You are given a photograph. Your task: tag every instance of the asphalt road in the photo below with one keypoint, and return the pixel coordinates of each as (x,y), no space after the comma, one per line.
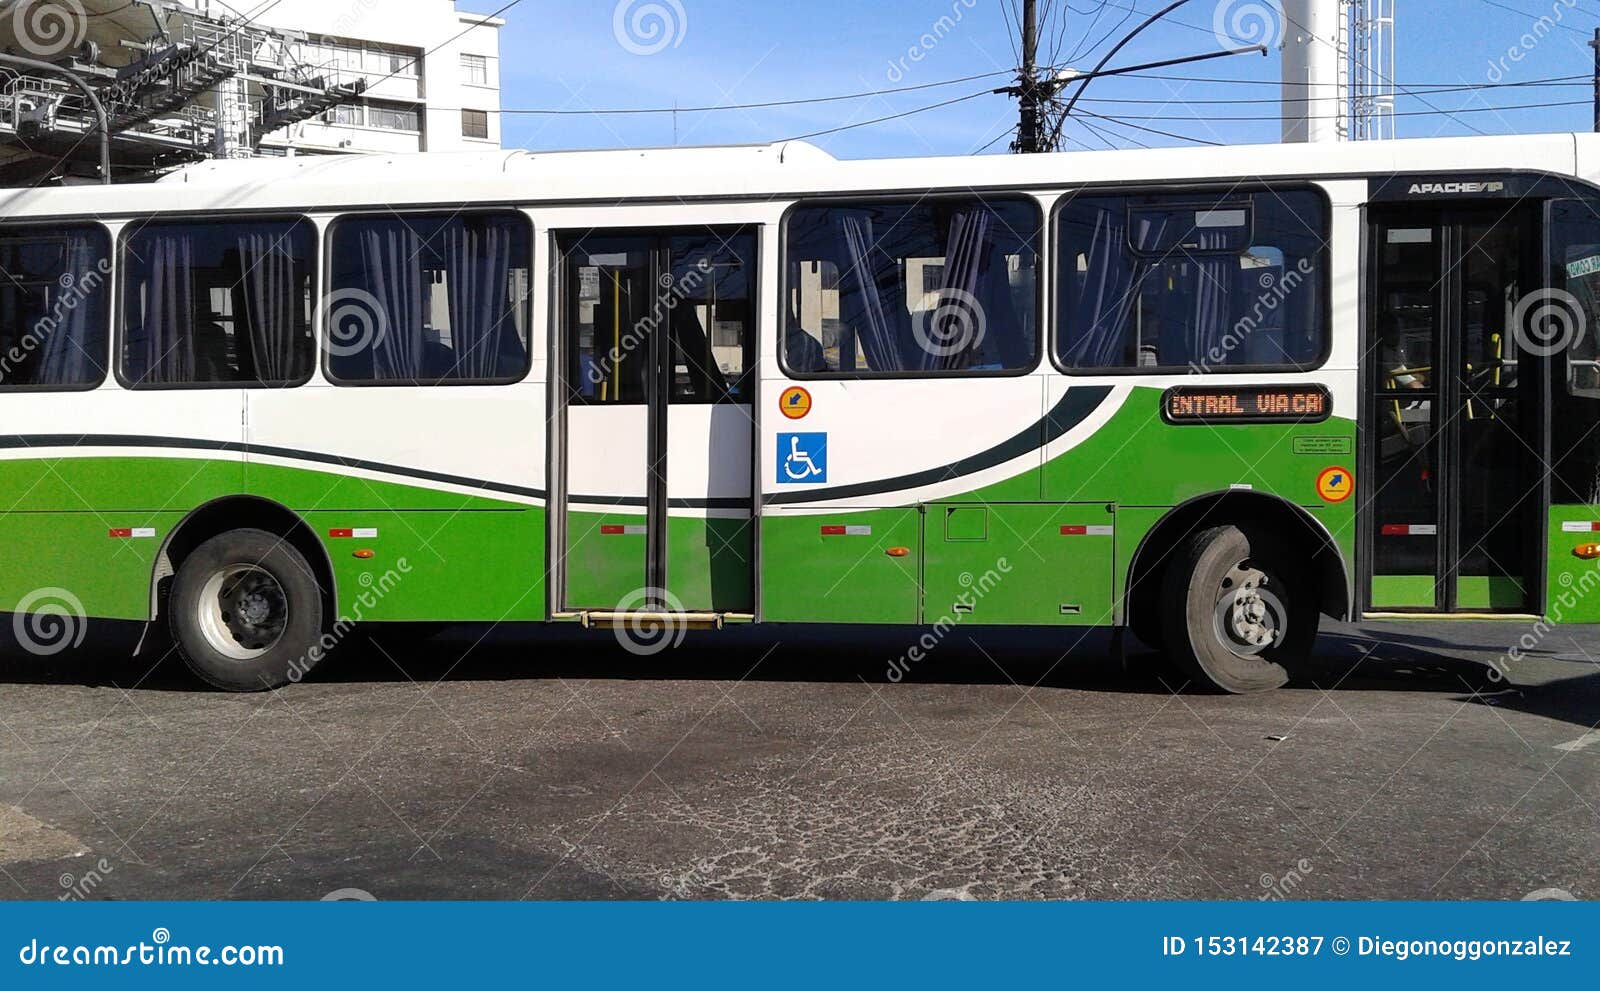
(785,763)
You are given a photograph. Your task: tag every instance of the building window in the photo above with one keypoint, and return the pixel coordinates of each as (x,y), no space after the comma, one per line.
(392,118)
(430,299)
(218,304)
(55,305)
(475,70)
(475,124)
(1192,283)
(941,286)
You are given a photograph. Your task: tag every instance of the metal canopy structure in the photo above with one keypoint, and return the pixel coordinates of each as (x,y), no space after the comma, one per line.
(178,86)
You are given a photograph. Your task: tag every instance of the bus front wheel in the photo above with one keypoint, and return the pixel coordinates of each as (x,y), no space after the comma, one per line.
(246,612)
(1237,613)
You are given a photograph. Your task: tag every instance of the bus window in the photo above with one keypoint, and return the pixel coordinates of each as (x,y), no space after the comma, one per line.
(429,299)
(1187,284)
(931,287)
(54,307)
(1575,420)
(218,303)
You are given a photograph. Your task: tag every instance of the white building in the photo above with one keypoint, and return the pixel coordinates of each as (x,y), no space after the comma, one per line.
(426,91)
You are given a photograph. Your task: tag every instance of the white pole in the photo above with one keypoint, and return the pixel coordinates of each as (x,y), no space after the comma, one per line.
(1312,98)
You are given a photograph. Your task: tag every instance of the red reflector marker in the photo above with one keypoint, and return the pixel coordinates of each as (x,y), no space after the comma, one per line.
(610,530)
(834,531)
(121,531)
(1074,531)
(339,533)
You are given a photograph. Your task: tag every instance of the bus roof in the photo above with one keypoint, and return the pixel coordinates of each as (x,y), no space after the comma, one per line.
(761,172)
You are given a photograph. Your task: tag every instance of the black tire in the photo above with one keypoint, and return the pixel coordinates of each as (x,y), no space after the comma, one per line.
(246,612)
(1239,615)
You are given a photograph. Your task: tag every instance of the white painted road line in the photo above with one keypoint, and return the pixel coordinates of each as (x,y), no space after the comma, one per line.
(1583,742)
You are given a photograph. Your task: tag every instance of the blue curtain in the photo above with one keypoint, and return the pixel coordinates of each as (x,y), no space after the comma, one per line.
(271,300)
(482,318)
(161,344)
(70,354)
(1097,329)
(391,257)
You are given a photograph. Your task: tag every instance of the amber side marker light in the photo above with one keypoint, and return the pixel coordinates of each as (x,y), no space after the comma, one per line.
(1586,551)
(364,555)
(898,552)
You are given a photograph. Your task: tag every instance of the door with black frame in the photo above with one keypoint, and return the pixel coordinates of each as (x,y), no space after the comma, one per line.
(656,339)
(1454,432)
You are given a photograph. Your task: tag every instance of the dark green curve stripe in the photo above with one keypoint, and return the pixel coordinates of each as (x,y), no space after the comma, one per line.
(1075,406)
(16,441)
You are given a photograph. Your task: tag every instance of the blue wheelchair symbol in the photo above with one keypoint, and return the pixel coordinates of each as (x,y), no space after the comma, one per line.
(802,459)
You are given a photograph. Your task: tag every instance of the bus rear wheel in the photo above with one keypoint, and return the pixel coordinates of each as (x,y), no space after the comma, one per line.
(1238,615)
(246,612)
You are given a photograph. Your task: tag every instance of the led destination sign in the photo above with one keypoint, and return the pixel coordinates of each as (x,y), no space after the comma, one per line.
(1247,404)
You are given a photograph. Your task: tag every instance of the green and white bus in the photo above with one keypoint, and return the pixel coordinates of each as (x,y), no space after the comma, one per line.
(1205,395)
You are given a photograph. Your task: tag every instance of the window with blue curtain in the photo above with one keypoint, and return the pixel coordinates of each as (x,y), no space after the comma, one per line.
(55,307)
(1192,283)
(933,287)
(428,299)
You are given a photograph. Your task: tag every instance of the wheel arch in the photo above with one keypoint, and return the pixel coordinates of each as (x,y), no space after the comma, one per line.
(235,512)
(1293,522)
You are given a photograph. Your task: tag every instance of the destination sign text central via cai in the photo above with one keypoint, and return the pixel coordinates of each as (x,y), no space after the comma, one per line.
(1247,404)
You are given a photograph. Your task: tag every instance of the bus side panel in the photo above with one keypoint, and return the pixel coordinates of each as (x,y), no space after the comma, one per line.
(469,566)
(837,567)
(89,527)
(1025,565)
(1572,589)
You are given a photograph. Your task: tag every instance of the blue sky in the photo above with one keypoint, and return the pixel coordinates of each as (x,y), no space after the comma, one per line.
(566,54)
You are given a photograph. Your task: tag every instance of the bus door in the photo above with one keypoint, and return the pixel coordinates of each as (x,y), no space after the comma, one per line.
(1453,431)
(656,353)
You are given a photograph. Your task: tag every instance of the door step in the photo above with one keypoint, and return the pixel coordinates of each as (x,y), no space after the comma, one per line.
(612,619)
(1432,617)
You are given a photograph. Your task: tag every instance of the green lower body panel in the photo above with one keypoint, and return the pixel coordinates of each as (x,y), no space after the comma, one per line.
(72,560)
(1019,564)
(849,566)
(470,566)
(711,563)
(605,561)
(1573,589)
(1403,592)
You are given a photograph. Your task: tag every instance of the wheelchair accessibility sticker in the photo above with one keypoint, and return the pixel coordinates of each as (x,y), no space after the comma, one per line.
(802,459)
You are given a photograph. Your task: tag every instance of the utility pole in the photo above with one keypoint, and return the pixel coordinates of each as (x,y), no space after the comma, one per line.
(1595,44)
(1028,95)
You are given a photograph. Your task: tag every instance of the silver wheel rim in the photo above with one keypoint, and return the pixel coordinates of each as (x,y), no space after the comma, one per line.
(1250,617)
(242,611)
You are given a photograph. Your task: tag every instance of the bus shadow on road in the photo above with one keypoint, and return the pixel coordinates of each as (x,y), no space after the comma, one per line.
(1347,659)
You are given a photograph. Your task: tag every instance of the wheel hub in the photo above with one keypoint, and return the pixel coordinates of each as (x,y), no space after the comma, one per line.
(243,611)
(1250,616)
